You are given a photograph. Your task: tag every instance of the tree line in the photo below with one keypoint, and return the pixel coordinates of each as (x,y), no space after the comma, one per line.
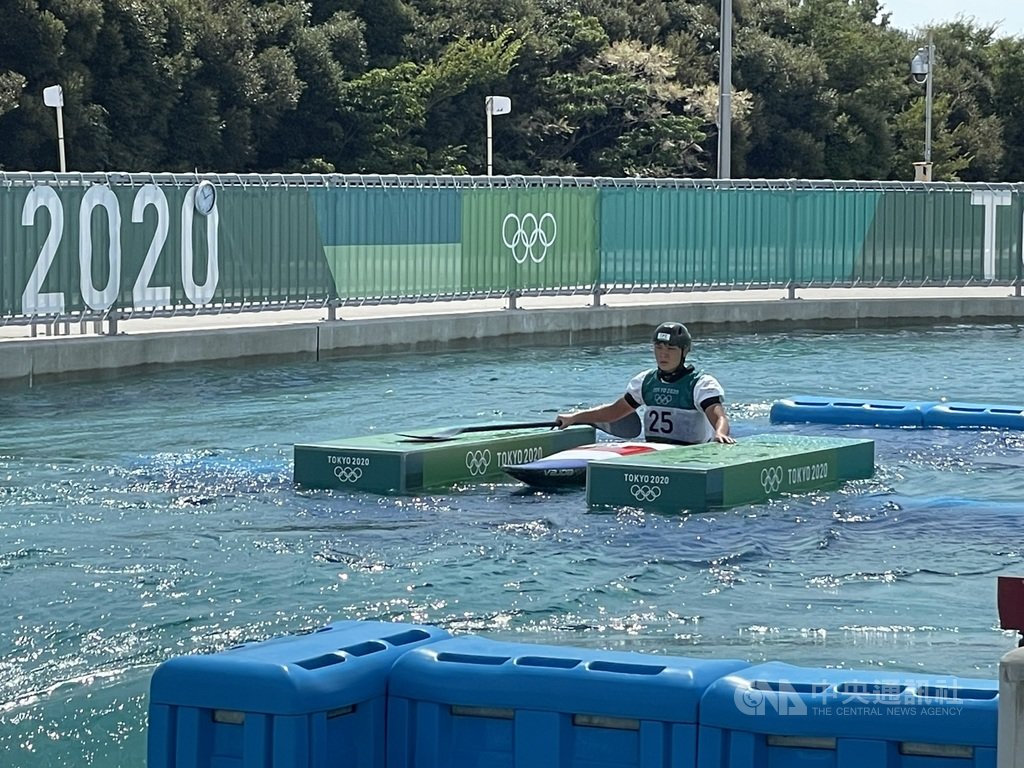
(822,88)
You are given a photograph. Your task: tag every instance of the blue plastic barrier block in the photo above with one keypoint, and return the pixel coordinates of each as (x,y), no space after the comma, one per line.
(304,701)
(776,715)
(853,411)
(954,415)
(470,702)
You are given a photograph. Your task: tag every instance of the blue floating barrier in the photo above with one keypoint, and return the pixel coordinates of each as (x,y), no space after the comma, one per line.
(868,413)
(778,714)
(306,701)
(476,703)
(956,415)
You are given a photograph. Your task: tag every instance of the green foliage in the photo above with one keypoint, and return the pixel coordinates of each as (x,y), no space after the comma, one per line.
(948,164)
(390,107)
(618,115)
(11,86)
(598,87)
(1006,58)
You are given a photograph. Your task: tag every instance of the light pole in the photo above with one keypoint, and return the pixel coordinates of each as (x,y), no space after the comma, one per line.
(53,96)
(922,70)
(725,92)
(494,105)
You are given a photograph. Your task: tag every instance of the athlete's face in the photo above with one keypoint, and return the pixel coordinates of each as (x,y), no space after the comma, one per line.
(668,357)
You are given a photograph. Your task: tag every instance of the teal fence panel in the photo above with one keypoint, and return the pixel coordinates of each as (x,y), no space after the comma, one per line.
(715,234)
(732,236)
(392,242)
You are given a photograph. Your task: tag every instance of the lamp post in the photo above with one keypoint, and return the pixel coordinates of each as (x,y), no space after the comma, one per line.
(725,92)
(494,105)
(921,69)
(53,96)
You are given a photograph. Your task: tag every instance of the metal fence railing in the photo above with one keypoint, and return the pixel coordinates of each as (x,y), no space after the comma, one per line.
(81,247)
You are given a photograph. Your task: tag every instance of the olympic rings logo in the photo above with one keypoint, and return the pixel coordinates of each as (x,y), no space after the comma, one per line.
(526,234)
(348,474)
(645,492)
(663,399)
(477,462)
(771,479)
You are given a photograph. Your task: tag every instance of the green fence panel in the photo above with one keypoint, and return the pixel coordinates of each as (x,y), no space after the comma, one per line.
(1010,241)
(921,237)
(95,247)
(666,237)
(945,235)
(391,242)
(270,245)
(529,239)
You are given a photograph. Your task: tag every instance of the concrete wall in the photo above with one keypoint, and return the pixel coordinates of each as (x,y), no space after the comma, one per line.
(278,339)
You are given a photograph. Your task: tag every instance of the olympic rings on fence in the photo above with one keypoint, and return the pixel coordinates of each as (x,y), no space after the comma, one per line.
(527,233)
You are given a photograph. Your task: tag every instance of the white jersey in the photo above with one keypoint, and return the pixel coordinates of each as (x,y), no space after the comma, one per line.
(672,408)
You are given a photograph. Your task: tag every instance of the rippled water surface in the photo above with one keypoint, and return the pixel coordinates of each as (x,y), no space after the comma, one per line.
(154,515)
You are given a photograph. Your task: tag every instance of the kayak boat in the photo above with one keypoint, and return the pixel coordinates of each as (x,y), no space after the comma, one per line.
(568,468)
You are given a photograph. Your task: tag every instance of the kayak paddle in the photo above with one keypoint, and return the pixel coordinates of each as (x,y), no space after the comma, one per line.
(627,427)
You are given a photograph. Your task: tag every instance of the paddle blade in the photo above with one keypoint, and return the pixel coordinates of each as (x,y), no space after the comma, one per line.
(627,427)
(453,432)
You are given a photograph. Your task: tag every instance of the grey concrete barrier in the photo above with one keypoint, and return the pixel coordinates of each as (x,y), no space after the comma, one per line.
(1010,744)
(377,330)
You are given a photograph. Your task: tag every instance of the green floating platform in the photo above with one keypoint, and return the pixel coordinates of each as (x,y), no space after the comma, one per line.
(393,464)
(713,475)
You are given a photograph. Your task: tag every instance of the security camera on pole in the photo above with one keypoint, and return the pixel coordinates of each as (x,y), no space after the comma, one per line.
(494,105)
(921,69)
(53,96)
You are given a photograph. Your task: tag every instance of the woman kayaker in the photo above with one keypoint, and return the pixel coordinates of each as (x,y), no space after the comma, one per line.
(682,404)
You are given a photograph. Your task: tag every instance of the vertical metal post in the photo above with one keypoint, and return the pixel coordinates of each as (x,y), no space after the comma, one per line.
(1019,247)
(725,92)
(60,139)
(53,96)
(791,289)
(490,137)
(928,102)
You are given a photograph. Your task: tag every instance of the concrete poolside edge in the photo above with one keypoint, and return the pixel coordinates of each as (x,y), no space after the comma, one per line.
(280,339)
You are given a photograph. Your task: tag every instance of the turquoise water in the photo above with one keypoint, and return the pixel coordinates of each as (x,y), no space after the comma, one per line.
(153,515)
